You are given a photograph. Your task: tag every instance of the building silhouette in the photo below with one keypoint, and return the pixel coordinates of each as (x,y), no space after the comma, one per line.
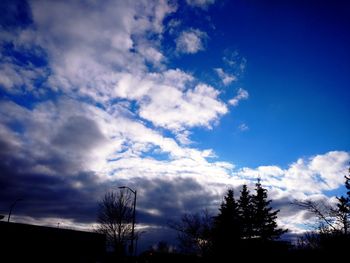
(31,243)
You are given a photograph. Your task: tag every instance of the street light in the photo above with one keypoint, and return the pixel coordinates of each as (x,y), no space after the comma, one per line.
(11,207)
(133,218)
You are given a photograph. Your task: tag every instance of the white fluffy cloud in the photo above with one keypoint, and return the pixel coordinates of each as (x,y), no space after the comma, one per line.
(99,53)
(18,79)
(91,54)
(226,78)
(190,41)
(304,177)
(171,100)
(90,138)
(242,94)
(174,110)
(88,43)
(307,178)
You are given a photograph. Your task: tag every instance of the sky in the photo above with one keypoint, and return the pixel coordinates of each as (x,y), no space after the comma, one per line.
(179,100)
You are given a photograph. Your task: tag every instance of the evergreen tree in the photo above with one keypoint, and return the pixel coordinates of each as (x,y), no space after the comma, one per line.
(264,223)
(347,186)
(342,212)
(246,213)
(227,230)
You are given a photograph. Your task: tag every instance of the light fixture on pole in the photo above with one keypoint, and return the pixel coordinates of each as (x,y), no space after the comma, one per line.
(133,218)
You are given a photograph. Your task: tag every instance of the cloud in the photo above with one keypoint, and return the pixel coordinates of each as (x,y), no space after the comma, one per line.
(85,47)
(151,55)
(67,137)
(183,137)
(243,127)
(9,141)
(200,3)
(62,157)
(63,168)
(57,138)
(67,154)
(174,110)
(78,132)
(305,177)
(173,25)
(190,41)
(226,78)
(171,100)
(21,75)
(242,94)
(107,59)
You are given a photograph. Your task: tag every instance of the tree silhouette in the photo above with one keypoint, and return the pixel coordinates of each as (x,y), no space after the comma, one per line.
(347,183)
(240,227)
(342,213)
(194,232)
(227,225)
(322,211)
(347,203)
(115,218)
(331,219)
(264,221)
(245,207)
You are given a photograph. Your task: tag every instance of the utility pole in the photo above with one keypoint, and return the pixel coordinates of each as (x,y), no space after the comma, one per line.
(132,250)
(11,207)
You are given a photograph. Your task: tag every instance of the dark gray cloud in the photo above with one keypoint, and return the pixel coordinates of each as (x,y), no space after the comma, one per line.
(171,198)
(43,168)
(68,193)
(78,133)
(286,206)
(49,178)
(65,193)
(75,195)
(8,142)
(46,195)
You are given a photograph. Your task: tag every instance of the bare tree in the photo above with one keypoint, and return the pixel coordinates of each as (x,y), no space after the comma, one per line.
(194,232)
(333,221)
(115,219)
(322,211)
(331,218)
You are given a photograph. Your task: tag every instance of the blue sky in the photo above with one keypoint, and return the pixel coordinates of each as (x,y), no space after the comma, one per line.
(297,76)
(197,95)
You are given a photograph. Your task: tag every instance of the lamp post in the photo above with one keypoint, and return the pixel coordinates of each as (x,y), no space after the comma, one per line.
(133,218)
(11,207)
